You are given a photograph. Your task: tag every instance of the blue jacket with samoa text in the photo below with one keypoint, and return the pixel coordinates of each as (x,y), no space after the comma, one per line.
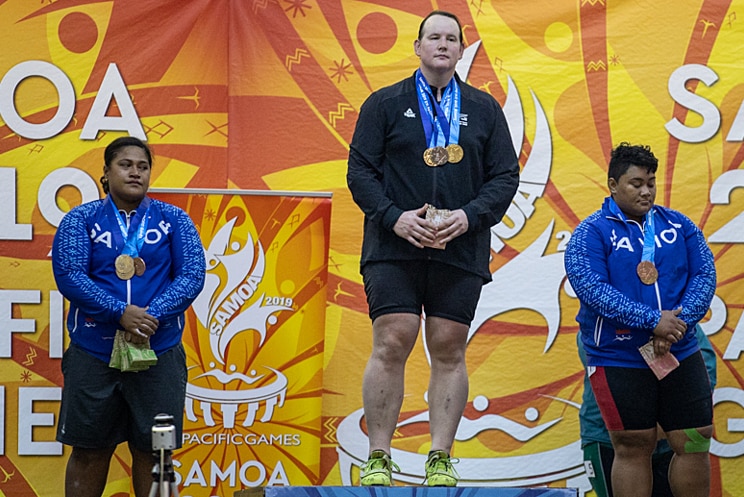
(618,313)
(85,247)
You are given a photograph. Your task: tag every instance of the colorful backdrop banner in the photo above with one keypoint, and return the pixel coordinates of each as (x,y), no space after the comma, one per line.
(264,95)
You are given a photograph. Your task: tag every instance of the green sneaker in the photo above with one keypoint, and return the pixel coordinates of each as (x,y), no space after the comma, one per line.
(439,470)
(378,469)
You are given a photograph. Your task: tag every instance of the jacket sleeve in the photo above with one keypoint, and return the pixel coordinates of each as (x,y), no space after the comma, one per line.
(71,253)
(364,173)
(587,271)
(701,276)
(501,177)
(188,267)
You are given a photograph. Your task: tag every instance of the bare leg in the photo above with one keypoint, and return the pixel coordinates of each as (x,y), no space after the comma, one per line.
(448,385)
(394,336)
(631,471)
(142,464)
(87,471)
(689,472)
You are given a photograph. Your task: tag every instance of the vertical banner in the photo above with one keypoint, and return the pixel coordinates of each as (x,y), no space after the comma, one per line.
(254,341)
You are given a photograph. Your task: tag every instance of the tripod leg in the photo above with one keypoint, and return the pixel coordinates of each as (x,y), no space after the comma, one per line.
(163,489)
(154,489)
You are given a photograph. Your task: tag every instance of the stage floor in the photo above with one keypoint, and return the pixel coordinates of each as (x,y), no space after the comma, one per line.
(408,491)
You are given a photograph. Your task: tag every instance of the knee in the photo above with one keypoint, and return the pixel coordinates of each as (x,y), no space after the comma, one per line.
(691,440)
(446,341)
(634,444)
(446,349)
(392,345)
(390,352)
(445,354)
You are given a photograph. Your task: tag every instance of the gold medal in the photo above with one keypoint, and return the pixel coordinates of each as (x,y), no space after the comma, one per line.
(454,153)
(435,156)
(647,272)
(124,265)
(139,266)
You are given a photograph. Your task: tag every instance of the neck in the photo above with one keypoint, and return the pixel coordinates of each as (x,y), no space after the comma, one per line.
(438,80)
(637,219)
(125,205)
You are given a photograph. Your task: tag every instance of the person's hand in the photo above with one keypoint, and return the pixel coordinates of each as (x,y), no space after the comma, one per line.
(453,226)
(137,324)
(661,346)
(413,227)
(670,327)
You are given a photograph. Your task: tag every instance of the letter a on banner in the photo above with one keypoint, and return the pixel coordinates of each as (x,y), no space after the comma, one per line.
(112,87)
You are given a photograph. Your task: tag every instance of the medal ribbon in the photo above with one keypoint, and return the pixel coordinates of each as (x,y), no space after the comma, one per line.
(443,118)
(649,233)
(136,238)
(649,242)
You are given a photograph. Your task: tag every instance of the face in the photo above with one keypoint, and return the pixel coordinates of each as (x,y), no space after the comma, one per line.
(128,177)
(439,47)
(634,192)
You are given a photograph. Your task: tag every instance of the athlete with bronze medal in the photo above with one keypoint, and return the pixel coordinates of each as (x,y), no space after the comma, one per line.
(129,263)
(125,362)
(441,122)
(637,323)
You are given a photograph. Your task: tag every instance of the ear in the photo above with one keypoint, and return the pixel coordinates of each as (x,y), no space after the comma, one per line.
(612,184)
(417,47)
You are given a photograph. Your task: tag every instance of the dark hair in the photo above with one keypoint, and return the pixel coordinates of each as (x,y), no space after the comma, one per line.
(439,13)
(626,155)
(114,147)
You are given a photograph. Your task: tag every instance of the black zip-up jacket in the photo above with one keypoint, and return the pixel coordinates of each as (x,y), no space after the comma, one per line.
(387,175)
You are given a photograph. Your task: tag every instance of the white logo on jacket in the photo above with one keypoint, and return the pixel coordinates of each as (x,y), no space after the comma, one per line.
(666,237)
(152,236)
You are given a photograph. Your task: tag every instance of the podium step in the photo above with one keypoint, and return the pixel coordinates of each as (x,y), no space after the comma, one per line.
(332,491)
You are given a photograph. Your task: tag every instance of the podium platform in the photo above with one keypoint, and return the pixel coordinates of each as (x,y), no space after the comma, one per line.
(331,491)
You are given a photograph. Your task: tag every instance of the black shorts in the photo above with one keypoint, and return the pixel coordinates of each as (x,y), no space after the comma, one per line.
(634,399)
(408,286)
(103,407)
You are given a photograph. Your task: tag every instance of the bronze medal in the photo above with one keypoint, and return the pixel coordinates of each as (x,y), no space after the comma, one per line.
(647,272)
(124,265)
(454,153)
(435,156)
(139,266)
